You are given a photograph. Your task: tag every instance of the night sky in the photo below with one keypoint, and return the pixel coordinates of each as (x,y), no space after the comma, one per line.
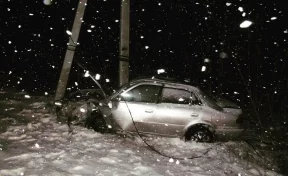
(175,35)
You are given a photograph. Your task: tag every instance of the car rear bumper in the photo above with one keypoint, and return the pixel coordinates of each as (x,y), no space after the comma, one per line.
(229,133)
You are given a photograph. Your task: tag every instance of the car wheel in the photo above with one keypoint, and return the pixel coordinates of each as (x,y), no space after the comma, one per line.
(60,113)
(199,134)
(96,122)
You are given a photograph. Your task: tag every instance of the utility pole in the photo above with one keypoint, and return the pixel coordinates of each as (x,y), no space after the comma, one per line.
(62,83)
(124,42)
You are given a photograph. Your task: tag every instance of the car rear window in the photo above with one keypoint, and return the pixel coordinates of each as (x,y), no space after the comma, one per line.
(175,96)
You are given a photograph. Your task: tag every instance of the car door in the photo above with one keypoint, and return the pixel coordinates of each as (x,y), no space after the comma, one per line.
(137,104)
(176,109)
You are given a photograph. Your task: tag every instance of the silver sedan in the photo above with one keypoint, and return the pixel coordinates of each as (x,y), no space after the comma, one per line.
(160,107)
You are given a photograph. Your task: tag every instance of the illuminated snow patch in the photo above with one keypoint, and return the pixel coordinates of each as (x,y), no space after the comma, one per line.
(27,96)
(58,103)
(18,171)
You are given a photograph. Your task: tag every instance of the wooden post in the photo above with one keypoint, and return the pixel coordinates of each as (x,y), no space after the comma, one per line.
(124,42)
(62,83)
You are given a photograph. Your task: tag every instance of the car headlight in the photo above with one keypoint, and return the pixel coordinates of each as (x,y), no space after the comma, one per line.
(110,104)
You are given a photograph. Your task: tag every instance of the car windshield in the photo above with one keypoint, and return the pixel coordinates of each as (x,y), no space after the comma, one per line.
(210,101)
(120,89)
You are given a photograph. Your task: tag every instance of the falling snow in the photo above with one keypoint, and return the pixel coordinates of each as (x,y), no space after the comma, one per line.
(68,32)
(241,9)
(245,24)
(228,4)
(225,47)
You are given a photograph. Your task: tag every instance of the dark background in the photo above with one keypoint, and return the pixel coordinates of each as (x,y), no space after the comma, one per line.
(191,30)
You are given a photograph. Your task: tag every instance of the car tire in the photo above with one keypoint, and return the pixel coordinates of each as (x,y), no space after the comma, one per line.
(199,134)
(96,122)
(60,113)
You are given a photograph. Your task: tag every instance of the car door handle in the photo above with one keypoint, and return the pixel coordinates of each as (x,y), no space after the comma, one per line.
(149,110)
(194,115)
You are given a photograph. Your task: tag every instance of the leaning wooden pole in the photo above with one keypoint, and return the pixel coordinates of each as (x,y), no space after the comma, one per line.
(124,42)
(64,76)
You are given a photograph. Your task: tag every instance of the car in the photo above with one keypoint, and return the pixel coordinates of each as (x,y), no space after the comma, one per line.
(168,108)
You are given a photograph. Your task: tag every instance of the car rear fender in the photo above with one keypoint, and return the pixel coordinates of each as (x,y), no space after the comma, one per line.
(196,123)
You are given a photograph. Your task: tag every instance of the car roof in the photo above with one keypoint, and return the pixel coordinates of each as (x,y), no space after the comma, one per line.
(170,83)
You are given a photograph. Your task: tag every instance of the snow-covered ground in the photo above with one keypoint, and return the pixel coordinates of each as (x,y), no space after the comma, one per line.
(42,146)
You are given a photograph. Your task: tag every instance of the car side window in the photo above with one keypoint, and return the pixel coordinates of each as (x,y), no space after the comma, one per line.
(142,93)
(175,96)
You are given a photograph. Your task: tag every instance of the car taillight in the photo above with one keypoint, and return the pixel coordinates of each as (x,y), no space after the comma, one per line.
(242,120)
